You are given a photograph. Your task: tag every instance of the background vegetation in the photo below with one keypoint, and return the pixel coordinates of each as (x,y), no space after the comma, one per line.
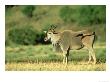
(39,18)
(24,37)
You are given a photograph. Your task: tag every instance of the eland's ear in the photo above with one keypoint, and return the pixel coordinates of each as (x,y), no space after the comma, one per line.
(45,31)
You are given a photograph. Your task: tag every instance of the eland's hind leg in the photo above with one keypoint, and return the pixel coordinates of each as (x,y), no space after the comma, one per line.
(92,54)
(90,57)
(88,42)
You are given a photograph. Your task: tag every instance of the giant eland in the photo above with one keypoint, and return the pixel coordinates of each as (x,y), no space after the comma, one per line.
(69,40)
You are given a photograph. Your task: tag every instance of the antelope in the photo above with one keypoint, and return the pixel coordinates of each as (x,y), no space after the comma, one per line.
(69,40)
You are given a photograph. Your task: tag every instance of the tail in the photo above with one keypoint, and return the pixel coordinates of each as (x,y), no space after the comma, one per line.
(95,38)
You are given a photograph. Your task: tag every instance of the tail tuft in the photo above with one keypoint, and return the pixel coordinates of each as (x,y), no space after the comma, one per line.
(93,33)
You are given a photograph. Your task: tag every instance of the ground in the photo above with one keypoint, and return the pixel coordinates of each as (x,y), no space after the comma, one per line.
(42,58)
(55,66)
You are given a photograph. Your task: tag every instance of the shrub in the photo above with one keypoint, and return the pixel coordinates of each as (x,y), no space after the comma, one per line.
(84,15)
(28,10)
(40,38)
(25,36)
(91,15)
(67,14)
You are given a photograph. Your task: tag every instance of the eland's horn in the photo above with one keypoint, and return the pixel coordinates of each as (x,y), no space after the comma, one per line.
(53,26)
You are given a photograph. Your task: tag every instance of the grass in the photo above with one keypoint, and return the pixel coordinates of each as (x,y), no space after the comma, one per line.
(54,66)
(42,58)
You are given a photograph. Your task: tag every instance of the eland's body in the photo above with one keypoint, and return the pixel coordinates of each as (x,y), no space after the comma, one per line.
(69,40)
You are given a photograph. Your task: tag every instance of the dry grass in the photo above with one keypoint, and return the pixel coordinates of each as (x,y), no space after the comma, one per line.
(53,66)
(42,58)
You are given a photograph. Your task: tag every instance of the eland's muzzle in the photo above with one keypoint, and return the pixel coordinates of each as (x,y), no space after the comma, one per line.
(45,39)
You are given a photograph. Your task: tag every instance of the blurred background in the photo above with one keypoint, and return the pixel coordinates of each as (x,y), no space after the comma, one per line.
(24,26)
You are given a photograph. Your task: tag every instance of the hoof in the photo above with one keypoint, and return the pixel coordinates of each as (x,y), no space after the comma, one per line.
(94,62)
(89,62)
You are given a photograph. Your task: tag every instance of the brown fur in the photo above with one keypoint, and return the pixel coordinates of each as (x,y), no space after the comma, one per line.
(69,40)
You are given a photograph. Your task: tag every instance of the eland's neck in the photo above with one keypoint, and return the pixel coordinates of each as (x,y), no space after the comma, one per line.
(55,38)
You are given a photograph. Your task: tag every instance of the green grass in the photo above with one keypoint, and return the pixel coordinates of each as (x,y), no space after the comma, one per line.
(30,54)
(44,53)
(17,55)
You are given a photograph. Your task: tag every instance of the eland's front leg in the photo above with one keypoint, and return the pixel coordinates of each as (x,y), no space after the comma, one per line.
(65,54)
(65,59)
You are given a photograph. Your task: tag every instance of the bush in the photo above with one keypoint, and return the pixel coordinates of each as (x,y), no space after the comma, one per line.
(40,38)
(28,10)
(67,14)
(25,36)
(84,15)
(91,15)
